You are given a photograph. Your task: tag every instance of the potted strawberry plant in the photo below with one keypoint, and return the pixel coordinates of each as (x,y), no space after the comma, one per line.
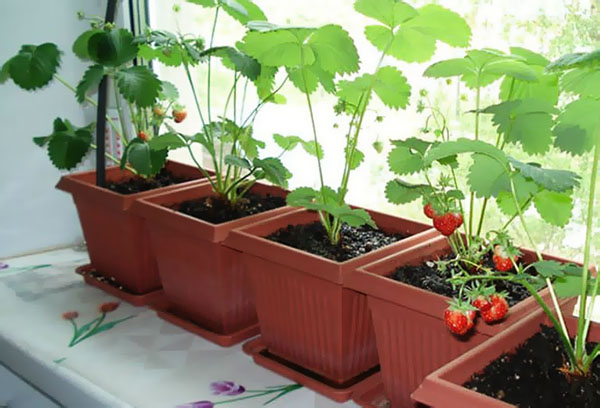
(298,262)
(564,350)
(398,286)
(203,279)
(121,259)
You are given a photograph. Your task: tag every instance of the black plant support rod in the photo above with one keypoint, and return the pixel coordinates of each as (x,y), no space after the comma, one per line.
(101,115)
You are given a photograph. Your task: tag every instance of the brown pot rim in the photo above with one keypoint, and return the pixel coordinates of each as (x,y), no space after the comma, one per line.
(81,183)
(438,382)
(154,209)
(251,240)
(373,280)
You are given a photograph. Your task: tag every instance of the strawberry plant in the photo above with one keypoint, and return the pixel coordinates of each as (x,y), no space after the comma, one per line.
(313,57)
(112,52)
(525,119)
(577,132)
(226,134)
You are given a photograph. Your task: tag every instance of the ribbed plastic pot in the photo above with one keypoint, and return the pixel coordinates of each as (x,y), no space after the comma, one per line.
(443,388)
(116,239)
(412,339)
(306,315)
(203,279)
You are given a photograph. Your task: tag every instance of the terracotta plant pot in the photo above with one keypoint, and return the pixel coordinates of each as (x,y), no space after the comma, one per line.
(117,241)
(412,339)
(443,388)
(203,279)
(306,316)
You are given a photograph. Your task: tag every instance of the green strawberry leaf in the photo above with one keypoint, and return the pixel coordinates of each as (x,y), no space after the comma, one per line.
(400,192)
(392,87)
(265,82)
(67,145)
(420,30)
(113,48)
(168,92)
(555,208)
(288,143)
(576,60)
(240,62)
(487,176)
(545,88)
(389,84)
(139,85)
(90,82)
(250,145)
(4,72)
(80,46)
(525,189)
(204,141)
(303,197)
(142,158)
(334,50)
(389,12)
(528,122)
(357,158)
(451,67)
(274,170)
(549,269)
(237,161)
(403,160)
(352,217)
(577,124)
(448,149)
(167,141)
(553,180)
(243,11)
(303,79)
(203,3)
(583,82)
(490,64)
(34,66)
(280,48)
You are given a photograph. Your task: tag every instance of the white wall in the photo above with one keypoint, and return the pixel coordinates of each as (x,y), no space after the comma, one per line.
(33,215)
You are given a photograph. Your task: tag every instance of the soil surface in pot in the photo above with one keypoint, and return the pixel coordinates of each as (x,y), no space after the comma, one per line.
(427,276)
(355,242)
(530,376)
(217,210)
(138,184)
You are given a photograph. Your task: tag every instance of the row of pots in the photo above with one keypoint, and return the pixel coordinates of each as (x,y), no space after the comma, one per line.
(325,324)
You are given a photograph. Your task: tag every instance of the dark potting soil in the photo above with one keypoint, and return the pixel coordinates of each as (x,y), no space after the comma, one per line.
(530,376)
(354,241)
(218,210)
(427,276)
(138,184)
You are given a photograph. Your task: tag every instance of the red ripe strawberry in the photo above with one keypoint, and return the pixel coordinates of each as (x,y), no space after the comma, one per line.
(482,303)
(429,211)
(179,115)
(142,135)
(458,219)
(497,311)
(458,321)
(446,224)
(502,264)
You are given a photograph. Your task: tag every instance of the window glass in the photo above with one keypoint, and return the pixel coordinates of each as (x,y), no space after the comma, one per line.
(552,27)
